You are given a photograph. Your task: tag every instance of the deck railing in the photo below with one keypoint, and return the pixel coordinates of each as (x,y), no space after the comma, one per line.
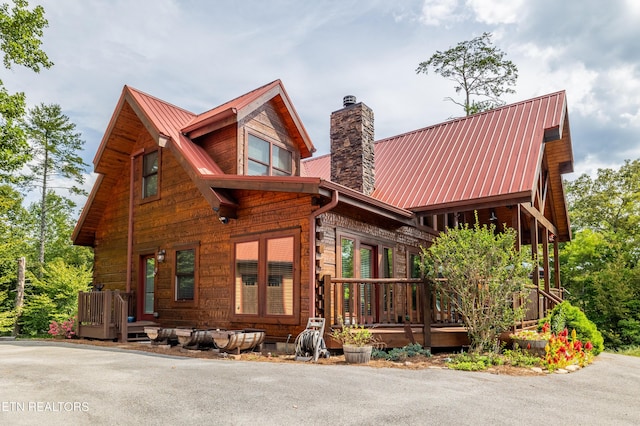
(103,314)
(389,301)
(374,300)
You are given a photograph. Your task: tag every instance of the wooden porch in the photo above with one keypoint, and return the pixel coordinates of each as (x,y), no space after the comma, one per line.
(104,315)
(401,311)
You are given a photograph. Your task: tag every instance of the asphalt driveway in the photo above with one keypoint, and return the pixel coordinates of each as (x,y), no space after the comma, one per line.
(60,384)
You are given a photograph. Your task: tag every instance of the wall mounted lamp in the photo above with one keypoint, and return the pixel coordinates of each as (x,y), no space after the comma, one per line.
(493,216)
(161,256)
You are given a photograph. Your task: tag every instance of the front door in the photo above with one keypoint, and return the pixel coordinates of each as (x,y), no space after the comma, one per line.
(146,289)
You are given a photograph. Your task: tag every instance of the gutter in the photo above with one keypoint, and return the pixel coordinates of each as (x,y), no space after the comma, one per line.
(312,250)
(130,224)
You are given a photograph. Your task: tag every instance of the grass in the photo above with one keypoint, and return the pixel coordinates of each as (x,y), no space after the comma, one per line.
(631,351)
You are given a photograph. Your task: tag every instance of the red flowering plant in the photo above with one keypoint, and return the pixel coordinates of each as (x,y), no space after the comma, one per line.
(65,329)
(563,350)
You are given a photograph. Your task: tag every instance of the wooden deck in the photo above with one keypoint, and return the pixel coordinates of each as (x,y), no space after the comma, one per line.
(103,315)
(389,305)
(399,336)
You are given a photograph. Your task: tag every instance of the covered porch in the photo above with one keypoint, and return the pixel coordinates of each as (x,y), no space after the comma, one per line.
(401,311)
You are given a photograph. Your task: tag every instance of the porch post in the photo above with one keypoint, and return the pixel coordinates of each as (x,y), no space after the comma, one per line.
(106,312)
(517,224)
(326,291)
(545,249)
(556,264)
(534,250)
(426,312)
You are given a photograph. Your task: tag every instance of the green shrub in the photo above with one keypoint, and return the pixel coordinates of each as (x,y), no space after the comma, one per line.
(54,297)
(519,358)
(565,315)
(401,354)
(474,361)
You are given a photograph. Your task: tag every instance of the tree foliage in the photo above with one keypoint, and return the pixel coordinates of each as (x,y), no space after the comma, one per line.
(21,30)
(478,69)
(483,272)
(54,151)
(600,267)
(54,297)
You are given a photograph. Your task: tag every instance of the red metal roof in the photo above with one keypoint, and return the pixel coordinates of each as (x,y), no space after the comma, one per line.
(317,167)
(234,105)
(494,154)
(168,119)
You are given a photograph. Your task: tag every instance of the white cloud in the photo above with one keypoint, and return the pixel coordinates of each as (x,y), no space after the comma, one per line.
(435,12)
(494,12)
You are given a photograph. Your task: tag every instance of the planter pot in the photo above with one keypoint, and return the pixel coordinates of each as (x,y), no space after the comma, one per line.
(357,354)
(534,347)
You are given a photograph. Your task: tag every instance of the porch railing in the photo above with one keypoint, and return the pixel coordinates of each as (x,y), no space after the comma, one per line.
(103,314)
(391,301)
(374,301)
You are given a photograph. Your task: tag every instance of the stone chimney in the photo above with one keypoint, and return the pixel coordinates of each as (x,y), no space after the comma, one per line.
(352,157)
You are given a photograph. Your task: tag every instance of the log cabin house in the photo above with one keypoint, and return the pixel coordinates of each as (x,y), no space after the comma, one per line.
(225,220)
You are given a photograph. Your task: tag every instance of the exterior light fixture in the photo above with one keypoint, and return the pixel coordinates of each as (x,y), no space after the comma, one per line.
(493,216)
(162,140)
(161,256)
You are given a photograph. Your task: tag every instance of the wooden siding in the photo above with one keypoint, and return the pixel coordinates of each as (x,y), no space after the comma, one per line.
(267,123)
(221,145)
(181,217)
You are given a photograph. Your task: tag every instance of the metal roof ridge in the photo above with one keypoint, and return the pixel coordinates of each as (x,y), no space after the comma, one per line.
(133,89)
(473,116)
(201,116)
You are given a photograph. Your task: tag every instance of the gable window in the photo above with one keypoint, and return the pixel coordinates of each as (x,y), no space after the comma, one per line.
(150,170)
(267,159)
(265,275)
(185,277)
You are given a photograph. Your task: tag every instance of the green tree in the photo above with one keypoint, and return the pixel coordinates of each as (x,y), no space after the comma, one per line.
(484,272)
(54,297)
(59,225)
(478,69)
(54,150)
(14,242)
(600,266)
(20,41)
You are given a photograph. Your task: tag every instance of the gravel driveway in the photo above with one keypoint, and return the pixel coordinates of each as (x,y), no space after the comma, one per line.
(54,383)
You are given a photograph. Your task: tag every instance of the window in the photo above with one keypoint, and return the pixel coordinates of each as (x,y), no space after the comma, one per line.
(185,274)
(150,175)
(267,159)
(265,277)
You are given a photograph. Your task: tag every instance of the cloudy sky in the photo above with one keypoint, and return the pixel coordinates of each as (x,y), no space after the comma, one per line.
(199,54)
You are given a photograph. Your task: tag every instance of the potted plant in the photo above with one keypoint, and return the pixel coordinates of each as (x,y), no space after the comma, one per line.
(357,342)
(532,341)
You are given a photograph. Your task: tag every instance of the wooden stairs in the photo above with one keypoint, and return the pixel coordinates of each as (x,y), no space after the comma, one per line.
(135,331)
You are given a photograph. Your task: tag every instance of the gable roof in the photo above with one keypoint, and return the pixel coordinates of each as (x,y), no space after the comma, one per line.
(174,128)
(240,107)
(484,160)
(481,158)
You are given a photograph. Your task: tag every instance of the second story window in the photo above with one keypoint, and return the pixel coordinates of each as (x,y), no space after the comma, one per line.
(267,159)
(150,175)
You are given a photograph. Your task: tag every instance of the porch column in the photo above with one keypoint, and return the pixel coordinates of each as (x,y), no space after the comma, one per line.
(426,312)
(534,249)
(545,265)
(517,225)
(556,264)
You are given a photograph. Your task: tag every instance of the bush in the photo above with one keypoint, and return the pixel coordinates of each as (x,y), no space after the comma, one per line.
(54,297)
(401,354)
(482,272)
(474,361)
(571,317)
